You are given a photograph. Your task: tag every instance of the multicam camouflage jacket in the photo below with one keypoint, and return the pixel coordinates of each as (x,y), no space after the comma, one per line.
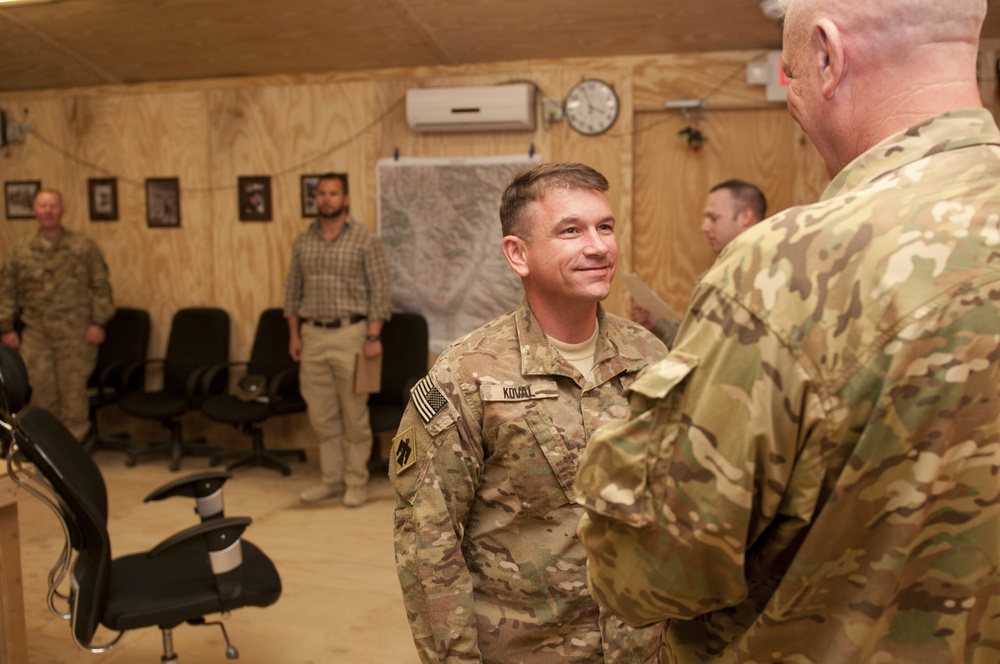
(815,473)
(485,524)
(60,285)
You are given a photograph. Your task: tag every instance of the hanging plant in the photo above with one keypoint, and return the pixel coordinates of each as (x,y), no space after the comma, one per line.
(695,139)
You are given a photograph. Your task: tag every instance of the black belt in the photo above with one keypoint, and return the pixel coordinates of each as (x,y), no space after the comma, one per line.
(339,322)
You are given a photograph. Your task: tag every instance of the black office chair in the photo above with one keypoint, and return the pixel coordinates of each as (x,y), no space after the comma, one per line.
(405,351)
(202,570)
(269,387)
(126,341)
(199,339)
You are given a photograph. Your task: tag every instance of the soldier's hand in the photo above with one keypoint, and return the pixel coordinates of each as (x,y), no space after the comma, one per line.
(12,339)
(94,335)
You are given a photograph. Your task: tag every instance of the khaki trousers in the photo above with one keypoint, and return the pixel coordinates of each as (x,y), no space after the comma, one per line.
(338,416)
(59,367)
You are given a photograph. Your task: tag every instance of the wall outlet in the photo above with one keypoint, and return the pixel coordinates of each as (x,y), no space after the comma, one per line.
(552,110)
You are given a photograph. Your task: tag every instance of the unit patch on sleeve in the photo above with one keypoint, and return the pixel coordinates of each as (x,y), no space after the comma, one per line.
(427,399)
(404,450)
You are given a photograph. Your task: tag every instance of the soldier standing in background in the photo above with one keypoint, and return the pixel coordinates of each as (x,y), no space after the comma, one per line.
(58,281)
(485,524)
(811,475)
(731,207)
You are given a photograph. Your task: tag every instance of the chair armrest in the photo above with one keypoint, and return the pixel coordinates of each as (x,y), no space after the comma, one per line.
(221,541)
(107,374)
(132,367)
(221,537)
(205,488)
(274,388)
(208,374)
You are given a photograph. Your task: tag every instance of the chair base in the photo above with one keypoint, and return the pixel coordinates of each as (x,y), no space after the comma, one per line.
(264,458)
(175,449)
(120,442)
(259,455)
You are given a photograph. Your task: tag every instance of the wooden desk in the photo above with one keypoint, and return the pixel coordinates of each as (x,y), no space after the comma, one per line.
(13,637)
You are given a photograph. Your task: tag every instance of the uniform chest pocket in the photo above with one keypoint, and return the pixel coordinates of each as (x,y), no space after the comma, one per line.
(539,464)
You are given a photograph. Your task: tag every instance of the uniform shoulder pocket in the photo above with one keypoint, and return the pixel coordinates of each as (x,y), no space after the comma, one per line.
(615,475)
(659,378)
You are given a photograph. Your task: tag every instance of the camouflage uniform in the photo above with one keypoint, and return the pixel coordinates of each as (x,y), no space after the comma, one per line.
(485,522)
(815,474)
(61,287)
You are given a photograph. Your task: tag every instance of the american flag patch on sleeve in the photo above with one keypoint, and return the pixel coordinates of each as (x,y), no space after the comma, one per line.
(427,399)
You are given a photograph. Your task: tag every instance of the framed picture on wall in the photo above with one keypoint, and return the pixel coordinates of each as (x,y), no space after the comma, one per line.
(254,198)
(19,197)
(309,195)
(102,197)
(163,202)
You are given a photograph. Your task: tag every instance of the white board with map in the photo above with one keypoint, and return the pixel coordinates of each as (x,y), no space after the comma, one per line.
(440,224)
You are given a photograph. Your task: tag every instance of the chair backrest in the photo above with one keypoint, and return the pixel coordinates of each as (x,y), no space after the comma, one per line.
(13,382)
(82,497)
(13,392)
(405,350)
(199,337)
(126,340)
(269,355)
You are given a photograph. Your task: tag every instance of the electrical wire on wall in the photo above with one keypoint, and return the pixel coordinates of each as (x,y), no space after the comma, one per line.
(694,111)
(66,154)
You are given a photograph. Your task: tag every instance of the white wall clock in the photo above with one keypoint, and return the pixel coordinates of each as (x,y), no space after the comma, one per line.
(591,107)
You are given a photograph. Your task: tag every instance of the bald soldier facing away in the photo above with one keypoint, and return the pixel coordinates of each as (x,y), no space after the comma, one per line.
(814,474)
(485,525)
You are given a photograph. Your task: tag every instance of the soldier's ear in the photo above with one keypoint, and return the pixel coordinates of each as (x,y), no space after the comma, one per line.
(515,250)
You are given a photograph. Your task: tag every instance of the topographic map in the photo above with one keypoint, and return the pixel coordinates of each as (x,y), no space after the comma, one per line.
(440,225)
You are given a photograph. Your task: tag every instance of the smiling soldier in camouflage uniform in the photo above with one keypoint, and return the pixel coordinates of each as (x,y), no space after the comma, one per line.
(813,473)
(59,280)
(485,525)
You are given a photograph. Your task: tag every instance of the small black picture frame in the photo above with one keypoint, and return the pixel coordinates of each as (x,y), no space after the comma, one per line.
(254,197)
(309,195)
(163,202)
(19,197)
(102,199)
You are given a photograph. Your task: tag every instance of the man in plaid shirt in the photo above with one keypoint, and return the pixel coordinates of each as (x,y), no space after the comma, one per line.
(337,297)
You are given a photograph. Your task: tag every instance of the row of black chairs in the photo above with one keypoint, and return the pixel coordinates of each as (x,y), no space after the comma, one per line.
(195,376)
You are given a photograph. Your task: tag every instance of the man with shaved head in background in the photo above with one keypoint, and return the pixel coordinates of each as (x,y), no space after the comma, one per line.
(811,474)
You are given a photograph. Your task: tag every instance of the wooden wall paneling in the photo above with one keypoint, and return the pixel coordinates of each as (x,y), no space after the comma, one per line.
(718,77)
(670,183)
(38,160)
(764,147)
(135,137)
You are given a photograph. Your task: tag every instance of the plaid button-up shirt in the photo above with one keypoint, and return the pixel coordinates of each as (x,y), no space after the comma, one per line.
(347,276)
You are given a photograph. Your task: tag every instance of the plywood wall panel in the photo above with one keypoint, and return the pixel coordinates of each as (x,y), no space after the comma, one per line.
(763,147)
(282,132)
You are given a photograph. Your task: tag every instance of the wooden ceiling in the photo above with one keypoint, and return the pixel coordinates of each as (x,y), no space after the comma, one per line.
(71,43)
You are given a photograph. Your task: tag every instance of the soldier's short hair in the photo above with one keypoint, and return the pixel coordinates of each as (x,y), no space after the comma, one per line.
(531,184)
(748,194)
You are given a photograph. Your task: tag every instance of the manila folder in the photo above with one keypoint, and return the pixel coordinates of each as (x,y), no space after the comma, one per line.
(367,374)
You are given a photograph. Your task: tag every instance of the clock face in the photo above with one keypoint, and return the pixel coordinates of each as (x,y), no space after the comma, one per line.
(591,107)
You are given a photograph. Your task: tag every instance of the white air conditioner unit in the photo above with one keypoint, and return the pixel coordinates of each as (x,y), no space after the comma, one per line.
(487,108)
